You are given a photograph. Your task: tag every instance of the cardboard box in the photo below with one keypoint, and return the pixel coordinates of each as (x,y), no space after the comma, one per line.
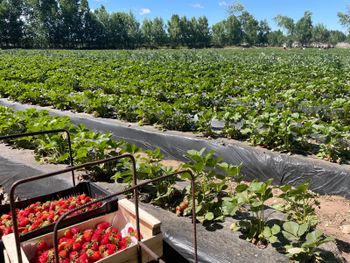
(150,230)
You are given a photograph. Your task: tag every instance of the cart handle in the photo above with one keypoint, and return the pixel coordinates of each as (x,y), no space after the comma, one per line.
(135,189)
(34,178)
(14,136)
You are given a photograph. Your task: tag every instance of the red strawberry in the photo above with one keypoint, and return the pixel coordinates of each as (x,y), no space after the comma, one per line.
(83,258)
(103,225)
(62,254)
(41,246)
(94,246)
(75,230)
(87,234)
(96,238)
(7,230)
(112,247)
(73,255)
(76,247)
(68,233)
(93,255)
(23,222)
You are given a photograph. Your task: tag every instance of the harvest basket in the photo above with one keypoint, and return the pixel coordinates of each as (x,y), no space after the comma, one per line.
(149,227)
(85,187)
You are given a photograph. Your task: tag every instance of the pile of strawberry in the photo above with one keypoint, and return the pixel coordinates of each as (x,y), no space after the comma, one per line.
(85,246)
(39,214)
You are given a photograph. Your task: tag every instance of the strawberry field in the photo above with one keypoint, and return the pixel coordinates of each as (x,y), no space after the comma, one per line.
(291,101)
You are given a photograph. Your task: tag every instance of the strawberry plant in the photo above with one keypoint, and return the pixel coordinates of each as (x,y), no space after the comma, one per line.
(210,185)
(303,246)
(255,228)
(299,203)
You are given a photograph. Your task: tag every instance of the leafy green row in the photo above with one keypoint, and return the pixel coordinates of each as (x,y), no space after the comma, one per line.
(53,148)
(294,101)
(218,195)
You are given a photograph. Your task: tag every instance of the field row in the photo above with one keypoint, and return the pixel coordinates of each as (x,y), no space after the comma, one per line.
(295,101)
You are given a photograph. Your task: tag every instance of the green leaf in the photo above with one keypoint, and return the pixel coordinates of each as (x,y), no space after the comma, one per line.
(275,229)
(295,250)
(209,216)
(302,229)
(234,227)
(290,230)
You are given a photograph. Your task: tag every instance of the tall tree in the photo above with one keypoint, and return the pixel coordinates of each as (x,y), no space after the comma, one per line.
(336,36)
(174,30)
(159,33)
(202,32)
(11,22)
(70,23)
(344,18)
(263,32)
(320,33)
(303,29)
(286,23)
(276,38)
(249,24)
(42,22)
(219,34)
(233,31)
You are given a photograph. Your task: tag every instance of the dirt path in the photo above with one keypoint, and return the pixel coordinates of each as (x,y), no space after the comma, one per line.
(334,216)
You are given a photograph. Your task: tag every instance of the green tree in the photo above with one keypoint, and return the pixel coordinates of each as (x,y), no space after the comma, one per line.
(344,18)
(263,32)
(276,38)
(202,32)
(159,33)
(100,28)
(43,22)
(320,33)
(219,34)
(11,29)
(233,30)
(174,30)
(336,36)
(249,24)
(70,23)
(288,25)
(227,32)
(303,29)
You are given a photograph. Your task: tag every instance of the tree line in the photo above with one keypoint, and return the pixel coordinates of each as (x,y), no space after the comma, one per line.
(72,24)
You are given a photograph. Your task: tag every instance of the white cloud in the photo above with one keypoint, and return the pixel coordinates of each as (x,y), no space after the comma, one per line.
(197,5)
(223,3)
(144,11)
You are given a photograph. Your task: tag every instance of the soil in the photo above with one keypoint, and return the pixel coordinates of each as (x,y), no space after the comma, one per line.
(334,216)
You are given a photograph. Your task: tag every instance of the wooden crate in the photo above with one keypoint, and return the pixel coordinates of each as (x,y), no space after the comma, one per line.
(150,229)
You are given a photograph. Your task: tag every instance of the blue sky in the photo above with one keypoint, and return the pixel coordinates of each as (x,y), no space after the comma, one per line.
(324,11)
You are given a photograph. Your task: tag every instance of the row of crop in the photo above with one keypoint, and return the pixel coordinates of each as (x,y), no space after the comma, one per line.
(220,190)
(288,102)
